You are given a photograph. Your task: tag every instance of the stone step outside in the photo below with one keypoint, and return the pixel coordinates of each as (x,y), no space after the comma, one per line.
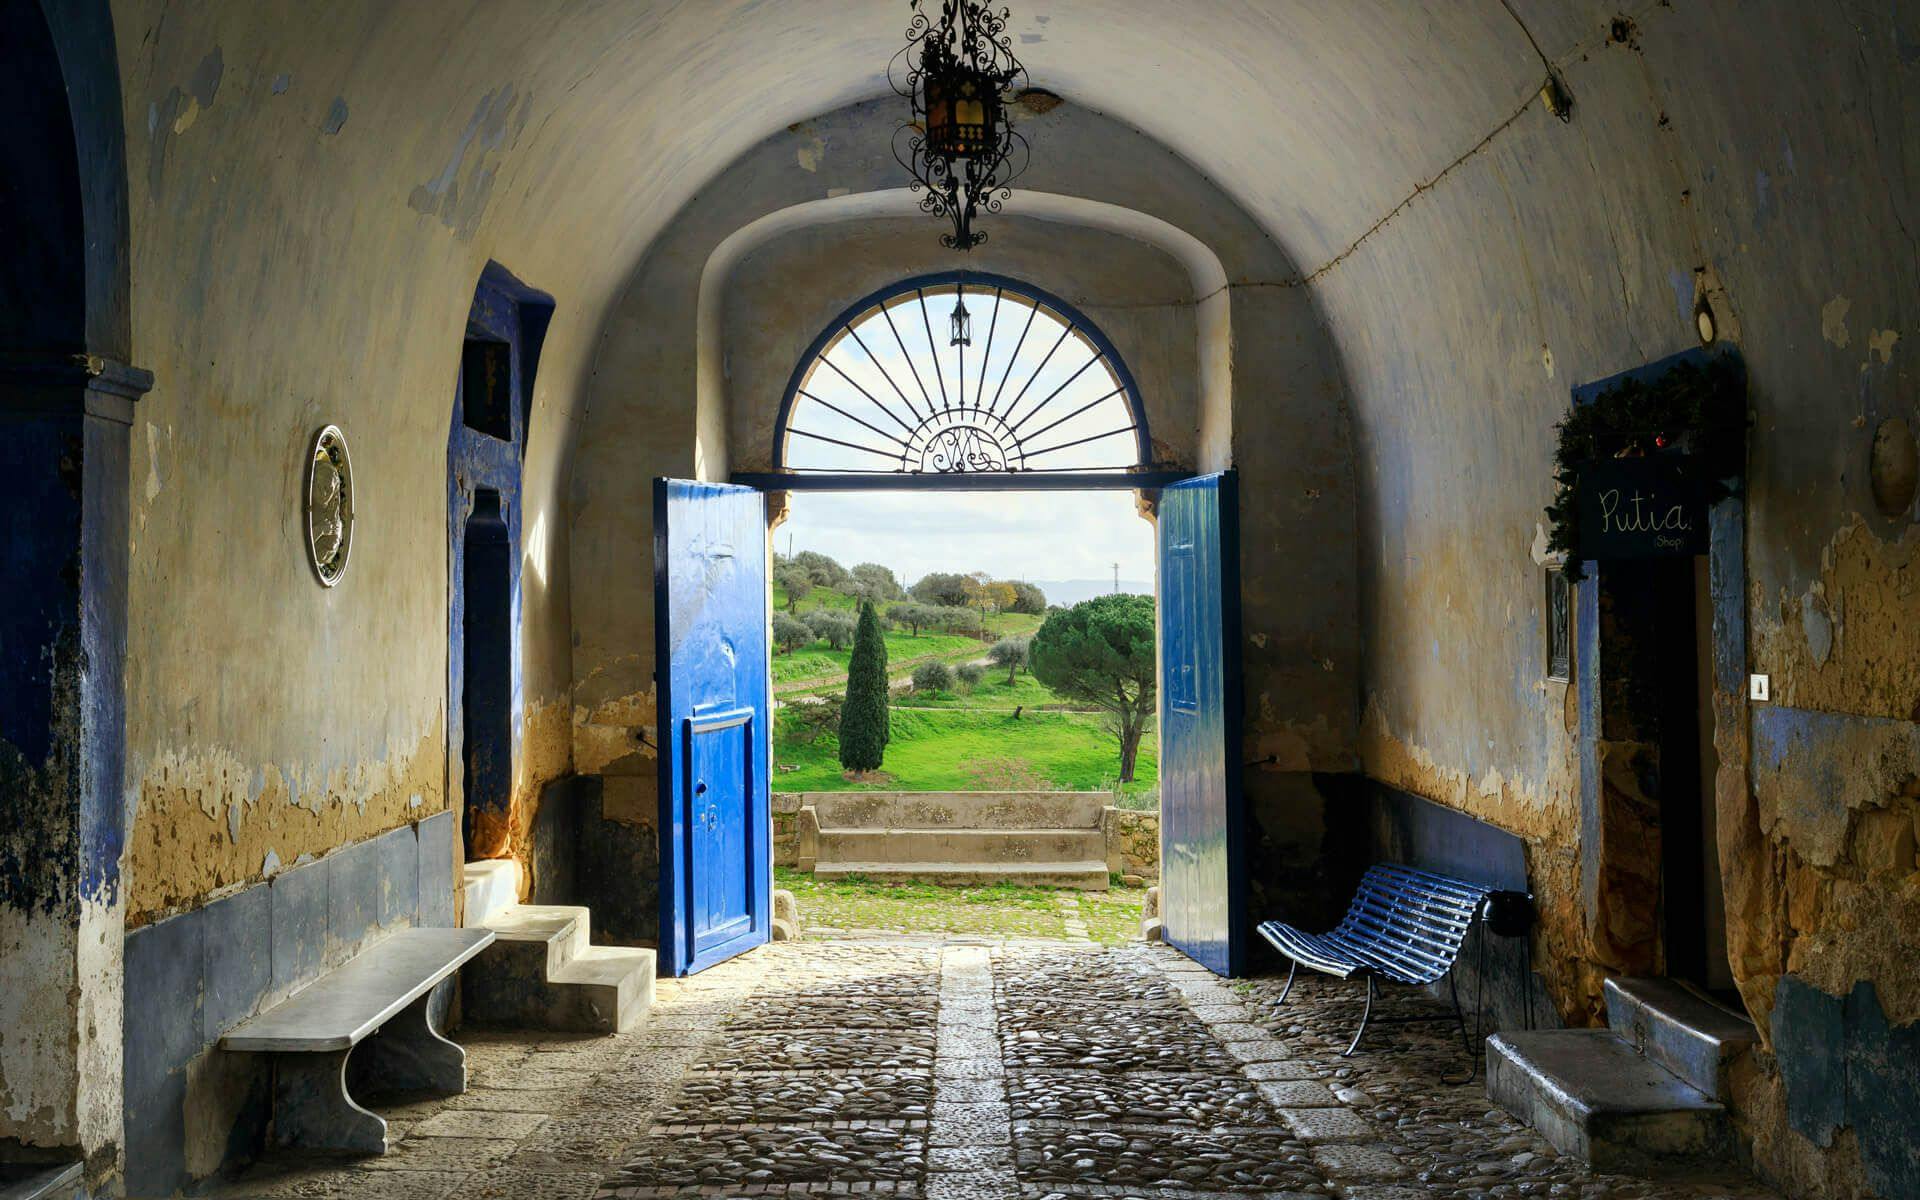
(33,1181)
(1087,876)
(486,886)
(562,930)
(609,983)
(543,972)
(1591,1094)
(957,810)
(985,847)
(1682,1030)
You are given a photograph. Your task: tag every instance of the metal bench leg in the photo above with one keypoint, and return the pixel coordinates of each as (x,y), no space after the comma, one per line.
(1365,1016)
(408,1054)
(1293,968)
(312,1110)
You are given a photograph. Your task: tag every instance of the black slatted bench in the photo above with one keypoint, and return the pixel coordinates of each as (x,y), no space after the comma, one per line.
(1404,925)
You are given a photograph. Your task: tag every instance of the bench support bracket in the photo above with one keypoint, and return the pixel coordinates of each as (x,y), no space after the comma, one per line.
(408,1054)
(312,1110)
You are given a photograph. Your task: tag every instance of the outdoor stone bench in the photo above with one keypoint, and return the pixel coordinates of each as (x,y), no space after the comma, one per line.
(388,988)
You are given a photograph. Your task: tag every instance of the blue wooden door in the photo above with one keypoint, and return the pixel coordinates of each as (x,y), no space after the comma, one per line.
(710,622)
(1203,875)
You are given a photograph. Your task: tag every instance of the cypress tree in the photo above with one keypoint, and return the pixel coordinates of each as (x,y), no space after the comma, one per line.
(865,724)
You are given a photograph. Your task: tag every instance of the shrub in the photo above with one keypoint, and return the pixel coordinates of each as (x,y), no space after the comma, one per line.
(932,677)
(970,674)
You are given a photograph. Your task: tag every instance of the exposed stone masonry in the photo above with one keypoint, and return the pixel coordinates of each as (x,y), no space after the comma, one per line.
(1015,1071)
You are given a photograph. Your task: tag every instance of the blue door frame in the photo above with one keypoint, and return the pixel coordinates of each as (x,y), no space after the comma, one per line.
(712,670)
(1203,869)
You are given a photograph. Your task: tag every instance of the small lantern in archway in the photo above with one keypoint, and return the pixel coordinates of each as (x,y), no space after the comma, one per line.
(962,322)
(958,72)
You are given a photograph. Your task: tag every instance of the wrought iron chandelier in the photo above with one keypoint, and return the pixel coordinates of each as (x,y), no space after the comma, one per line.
(959,73)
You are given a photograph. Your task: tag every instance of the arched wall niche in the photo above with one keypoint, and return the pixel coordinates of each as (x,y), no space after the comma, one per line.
(781,296)
(694,356)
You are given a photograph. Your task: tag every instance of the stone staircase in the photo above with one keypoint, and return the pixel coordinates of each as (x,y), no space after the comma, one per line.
(544,971)
(1646,1096)
(1043,839)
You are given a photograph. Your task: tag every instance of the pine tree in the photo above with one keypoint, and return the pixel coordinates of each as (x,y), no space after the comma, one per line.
(865,724)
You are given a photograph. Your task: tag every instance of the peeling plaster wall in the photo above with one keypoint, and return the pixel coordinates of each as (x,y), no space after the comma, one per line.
(1405,232)
(1758,157)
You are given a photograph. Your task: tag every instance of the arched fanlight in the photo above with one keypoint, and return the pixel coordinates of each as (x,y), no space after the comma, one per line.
(958,71)
(1034,388)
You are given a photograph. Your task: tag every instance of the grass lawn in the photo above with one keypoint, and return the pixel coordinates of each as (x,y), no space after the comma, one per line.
(966,750)
(998,911)
(819,661)
(991,692)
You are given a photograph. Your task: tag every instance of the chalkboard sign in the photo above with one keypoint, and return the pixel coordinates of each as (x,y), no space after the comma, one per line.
(1641,508)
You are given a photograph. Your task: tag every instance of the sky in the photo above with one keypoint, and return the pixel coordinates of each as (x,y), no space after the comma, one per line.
(883,395)
(1009,535)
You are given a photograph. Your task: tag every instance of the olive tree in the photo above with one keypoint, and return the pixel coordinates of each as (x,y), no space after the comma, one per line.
(1010,653)
(831,626)
(790,633)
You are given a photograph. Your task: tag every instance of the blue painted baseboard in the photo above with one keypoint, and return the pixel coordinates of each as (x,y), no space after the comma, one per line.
(191,977)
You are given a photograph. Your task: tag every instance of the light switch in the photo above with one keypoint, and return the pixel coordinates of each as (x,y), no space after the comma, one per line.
(1757,687)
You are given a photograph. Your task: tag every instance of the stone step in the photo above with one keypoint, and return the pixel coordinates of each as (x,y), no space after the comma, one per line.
(33,1181)
(1087,876)
(605,982)
(1682,1030)
(560,931)
(543,972)
(486,886)
(956,810)
(1594,1097)
(985,847)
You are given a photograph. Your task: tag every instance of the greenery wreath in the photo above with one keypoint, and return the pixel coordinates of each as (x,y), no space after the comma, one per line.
(1694,411)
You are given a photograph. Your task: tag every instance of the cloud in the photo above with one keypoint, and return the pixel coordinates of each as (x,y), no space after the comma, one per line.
(1011,535)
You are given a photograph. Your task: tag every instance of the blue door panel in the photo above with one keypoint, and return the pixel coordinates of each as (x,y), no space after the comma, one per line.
(710,619)
(1203,884)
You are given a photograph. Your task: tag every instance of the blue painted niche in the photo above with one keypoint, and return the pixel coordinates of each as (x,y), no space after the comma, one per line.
(486,444)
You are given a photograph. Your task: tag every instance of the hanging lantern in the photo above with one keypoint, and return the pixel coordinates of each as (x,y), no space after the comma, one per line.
(958,72)
(962,322)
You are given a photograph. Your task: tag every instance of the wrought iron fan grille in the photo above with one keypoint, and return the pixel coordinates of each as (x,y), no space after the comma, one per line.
(961,374)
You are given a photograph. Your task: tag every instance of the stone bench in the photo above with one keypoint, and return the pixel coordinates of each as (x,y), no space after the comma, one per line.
(386,988)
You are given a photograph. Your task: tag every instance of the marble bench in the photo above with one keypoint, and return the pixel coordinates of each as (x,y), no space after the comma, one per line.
(385,988)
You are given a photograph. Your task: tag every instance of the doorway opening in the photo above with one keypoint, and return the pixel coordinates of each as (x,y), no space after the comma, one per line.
(1656,678)
(925,696)
(486,699)
(1013,796)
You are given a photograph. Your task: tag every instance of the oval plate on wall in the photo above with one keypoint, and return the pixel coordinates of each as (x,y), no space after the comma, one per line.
(329,505)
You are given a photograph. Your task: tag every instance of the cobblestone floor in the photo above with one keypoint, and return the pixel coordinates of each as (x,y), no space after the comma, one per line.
(928,1071)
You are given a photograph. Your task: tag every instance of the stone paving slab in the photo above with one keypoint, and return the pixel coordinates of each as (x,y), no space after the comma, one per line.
(1243,1161)
(784,1154)
(1138,1097)
(801,1096)
(1119,1044)
(785,1071)
(873,1050)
